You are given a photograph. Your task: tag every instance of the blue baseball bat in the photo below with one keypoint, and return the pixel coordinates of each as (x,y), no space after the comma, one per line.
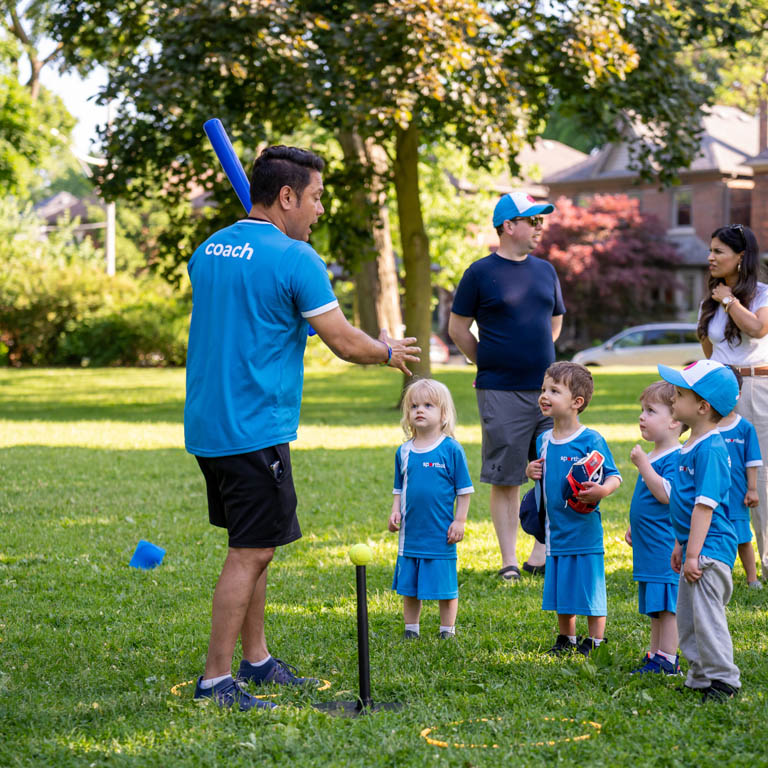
(222,146)
(224,150)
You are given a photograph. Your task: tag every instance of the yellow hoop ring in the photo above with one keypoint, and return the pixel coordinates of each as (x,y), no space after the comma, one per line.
(176,690)
(445,744)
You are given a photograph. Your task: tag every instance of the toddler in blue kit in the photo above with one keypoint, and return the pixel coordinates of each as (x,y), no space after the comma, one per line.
(744,451)
(574,578)
(705,547)
(650,532)
(431,476)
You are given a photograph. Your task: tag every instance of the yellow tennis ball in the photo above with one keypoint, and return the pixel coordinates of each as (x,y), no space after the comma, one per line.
(361,554)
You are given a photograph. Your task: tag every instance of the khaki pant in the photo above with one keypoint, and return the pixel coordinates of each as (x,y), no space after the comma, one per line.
(753,406)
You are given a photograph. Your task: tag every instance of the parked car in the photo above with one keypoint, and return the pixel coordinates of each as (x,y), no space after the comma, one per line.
(667,343)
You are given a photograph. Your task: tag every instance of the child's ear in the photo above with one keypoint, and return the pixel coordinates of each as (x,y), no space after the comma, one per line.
(578,402)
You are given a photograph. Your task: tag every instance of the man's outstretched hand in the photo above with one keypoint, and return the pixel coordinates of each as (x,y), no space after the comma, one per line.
(403,350)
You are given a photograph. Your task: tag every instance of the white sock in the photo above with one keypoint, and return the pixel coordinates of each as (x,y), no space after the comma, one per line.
(451,630)
(670,657)
(412,628)
(571,639)
(205,684)
(259,663)
(596,642)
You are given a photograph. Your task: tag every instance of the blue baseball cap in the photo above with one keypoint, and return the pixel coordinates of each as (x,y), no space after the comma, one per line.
(518,205)
(710,380)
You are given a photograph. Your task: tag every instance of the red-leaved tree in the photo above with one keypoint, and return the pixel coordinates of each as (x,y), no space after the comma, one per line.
(615,265)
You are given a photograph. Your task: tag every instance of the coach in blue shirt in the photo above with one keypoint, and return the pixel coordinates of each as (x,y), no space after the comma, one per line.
(257,285)
(515,299)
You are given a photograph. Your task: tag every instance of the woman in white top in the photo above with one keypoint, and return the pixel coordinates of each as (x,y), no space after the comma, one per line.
(733,328)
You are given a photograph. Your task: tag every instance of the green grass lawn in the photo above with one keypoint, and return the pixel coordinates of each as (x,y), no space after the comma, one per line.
(93,460)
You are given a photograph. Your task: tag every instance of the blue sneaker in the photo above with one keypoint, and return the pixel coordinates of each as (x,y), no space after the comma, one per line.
(228,692)
(274,671)
(657,664)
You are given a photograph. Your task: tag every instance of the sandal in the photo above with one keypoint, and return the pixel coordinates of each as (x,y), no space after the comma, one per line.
(510,573)
(534,570)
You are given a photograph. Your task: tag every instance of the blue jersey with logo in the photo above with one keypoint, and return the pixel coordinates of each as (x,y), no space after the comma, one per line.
(704,477)
(653,538)
(513,303)
(253,289)
(428,481)
(744,451)
(567,531)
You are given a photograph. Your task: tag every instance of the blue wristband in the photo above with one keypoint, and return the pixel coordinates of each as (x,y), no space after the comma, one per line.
(389,355)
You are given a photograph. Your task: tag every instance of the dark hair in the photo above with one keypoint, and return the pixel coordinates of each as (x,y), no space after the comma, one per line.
(661,392)
(739,377)
(576,377)
(740,239)
(281,166)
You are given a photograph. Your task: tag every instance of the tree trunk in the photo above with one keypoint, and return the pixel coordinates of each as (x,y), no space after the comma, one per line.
(418,278)
(377,296)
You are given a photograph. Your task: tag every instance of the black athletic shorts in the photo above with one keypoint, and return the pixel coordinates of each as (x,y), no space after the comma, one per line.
(252,496)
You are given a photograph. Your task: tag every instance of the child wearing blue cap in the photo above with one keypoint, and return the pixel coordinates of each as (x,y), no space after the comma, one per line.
(574,578)
(650,532)
(744,450)
(705,547)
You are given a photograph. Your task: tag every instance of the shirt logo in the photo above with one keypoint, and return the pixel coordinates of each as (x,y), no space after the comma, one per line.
(689,470)
(238,252)
(738,440)
(435,464)
(570,458)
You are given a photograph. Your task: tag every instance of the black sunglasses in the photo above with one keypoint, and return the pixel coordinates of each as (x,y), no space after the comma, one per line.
(534,221)
(740,229)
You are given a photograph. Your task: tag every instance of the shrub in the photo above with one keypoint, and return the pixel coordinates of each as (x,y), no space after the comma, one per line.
(58,306)
(615,265)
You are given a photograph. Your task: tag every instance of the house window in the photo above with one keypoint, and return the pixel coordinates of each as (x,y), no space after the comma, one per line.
(740,206)
(682,215)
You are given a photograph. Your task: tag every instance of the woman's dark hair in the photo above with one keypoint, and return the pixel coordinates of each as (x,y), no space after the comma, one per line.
(281,166)
(740,239)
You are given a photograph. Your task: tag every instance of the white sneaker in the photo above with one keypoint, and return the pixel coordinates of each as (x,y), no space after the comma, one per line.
(757,584)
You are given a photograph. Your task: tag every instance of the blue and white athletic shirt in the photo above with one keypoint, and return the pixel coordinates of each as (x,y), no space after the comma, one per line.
(653,538)
(744,450)
(253,290)
(428,481)
(568,532)
(704,477)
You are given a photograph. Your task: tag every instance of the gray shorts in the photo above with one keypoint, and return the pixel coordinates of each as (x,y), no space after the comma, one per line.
(510,421)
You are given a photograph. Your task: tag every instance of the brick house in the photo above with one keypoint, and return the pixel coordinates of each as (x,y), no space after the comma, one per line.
(727,183)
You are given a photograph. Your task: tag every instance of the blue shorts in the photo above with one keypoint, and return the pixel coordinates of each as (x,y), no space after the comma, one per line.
(652,598)
(426,579)
(575,584)
(743,531)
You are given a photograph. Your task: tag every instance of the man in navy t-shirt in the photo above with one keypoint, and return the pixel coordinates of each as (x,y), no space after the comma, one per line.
(256,286)
(515,299)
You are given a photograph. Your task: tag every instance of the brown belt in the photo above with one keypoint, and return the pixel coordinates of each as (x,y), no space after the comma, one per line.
(760,370)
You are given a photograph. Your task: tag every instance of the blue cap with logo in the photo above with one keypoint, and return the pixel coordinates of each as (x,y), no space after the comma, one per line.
(518,205)
(710,380)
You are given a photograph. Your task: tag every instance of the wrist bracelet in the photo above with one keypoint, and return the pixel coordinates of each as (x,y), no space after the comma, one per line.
(389,354)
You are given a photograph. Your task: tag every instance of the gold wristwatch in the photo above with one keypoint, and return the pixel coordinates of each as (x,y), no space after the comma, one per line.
(727,301)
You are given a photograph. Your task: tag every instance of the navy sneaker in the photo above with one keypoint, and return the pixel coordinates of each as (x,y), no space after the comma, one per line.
(409,634)
(228,692)
(445,635)
(648,665)
(719,691)
(562,646)
(274,671)
(587,645)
